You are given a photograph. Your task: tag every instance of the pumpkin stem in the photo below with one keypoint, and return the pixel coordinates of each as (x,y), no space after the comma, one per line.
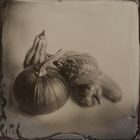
(42,69)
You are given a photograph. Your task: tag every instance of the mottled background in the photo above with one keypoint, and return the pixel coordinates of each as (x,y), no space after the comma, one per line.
(108,30)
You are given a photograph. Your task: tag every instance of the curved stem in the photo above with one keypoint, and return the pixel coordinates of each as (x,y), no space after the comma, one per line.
(49,61)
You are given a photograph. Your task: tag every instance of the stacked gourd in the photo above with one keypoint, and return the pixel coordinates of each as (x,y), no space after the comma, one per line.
(44,85)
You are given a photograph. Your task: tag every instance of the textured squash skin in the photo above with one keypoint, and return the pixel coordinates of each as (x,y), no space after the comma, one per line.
(84,75)
(39,95)
(78,68)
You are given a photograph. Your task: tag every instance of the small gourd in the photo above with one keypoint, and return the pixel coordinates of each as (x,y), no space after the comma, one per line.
(37,53)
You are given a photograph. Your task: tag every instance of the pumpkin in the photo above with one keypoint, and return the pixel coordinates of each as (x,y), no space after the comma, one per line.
(40,90)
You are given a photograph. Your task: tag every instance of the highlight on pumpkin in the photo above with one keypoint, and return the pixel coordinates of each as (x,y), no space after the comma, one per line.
(45,82)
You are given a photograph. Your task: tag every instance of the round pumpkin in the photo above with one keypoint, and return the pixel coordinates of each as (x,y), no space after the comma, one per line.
(39,94)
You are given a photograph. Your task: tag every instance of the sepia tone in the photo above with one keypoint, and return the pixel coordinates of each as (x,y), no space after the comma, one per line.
(106,30)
